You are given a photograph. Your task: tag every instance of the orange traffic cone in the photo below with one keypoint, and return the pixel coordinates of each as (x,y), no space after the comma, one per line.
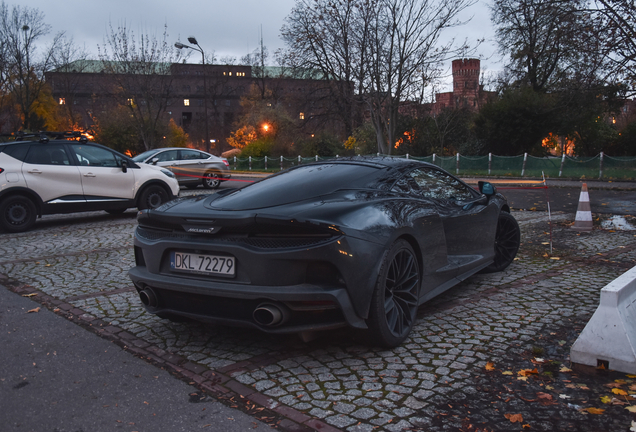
(583,221)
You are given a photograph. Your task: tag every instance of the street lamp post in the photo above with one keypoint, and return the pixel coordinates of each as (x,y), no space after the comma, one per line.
(193,41)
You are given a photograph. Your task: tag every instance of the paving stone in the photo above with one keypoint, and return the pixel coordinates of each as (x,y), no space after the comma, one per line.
(487,318)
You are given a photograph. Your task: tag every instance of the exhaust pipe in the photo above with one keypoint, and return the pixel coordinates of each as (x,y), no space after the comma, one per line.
(269,314)
(149,298)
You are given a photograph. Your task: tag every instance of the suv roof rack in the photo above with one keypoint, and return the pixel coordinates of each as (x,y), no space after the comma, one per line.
(45,136)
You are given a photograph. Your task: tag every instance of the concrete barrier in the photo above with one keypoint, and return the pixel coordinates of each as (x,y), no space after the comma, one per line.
(610,336)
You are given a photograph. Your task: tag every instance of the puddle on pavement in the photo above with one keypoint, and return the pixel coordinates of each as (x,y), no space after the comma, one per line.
(619,223)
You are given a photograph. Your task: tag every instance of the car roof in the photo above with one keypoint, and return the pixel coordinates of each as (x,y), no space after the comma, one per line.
(178,148)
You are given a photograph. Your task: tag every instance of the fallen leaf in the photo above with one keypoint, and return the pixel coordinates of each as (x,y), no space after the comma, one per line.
(526,372)
(565,369)
(37,309)
(564,396)
(631,408)
(545,399)
(514,417)
(619,392)
(613,385)
(29,295)
(606,399)
(593,410)
(507,373)
(631,376)
(490,366)
(633,428)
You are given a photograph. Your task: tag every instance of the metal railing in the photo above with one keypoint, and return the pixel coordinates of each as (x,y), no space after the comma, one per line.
(598,167)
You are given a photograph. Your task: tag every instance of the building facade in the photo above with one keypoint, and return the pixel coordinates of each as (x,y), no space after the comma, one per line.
(205,100)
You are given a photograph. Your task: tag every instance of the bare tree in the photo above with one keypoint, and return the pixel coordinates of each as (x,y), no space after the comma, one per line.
(405,55)
(547,41)
(378,51)
(140,68)
(70,62)
(618,22)
(330,36)
(22,68)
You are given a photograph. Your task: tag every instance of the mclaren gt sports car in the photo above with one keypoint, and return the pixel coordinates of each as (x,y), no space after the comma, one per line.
(358,242)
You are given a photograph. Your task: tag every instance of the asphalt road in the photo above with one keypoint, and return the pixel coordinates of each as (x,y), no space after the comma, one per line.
(566,199)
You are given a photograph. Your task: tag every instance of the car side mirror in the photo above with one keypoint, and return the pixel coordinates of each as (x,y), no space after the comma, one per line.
(155,160)
(487,188)
(124,166)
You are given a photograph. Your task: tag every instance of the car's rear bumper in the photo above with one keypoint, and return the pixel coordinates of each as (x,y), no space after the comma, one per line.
(305,307)
(322,282)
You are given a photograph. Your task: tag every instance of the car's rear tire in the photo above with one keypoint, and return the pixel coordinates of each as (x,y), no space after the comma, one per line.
(211,180)
(152,197)
(395,298)
(507,240)
(17,214)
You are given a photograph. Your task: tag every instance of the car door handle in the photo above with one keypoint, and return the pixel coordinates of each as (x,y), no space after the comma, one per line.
(89,174)
(34,171)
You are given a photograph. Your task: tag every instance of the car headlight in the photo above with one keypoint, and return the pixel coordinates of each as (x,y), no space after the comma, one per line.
(168,173)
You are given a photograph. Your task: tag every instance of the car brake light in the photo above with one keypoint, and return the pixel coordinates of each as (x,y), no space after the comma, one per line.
(227,164)
(1,170)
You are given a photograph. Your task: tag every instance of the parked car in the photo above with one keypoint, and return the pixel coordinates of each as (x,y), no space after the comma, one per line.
(69,174)
(359,242)
(191,167)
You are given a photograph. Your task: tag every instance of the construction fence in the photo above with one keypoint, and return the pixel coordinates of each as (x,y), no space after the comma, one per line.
(598,167)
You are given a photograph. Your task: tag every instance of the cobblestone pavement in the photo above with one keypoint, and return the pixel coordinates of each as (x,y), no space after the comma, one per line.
(490,354)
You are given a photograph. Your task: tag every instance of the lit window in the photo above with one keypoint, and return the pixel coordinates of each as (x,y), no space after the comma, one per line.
(302,116)
(130,101)
(186,102)
(62,101)
(230,73)
(240,74)
(224,73)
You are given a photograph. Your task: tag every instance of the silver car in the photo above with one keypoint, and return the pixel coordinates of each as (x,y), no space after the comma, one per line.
(191,167)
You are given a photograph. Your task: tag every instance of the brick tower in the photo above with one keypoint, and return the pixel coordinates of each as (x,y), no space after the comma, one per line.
(466,77)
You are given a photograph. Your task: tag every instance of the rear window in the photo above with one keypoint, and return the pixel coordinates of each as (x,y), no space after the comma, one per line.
(18,151)
(301,183)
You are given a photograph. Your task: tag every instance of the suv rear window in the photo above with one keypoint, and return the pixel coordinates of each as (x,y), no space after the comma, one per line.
(17,151)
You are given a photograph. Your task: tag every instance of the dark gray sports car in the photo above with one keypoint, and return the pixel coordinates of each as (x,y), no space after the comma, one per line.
(358,242)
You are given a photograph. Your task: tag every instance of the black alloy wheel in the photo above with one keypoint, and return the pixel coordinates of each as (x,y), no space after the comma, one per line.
(395,299)
(152,197)
(507,240)
(17,214)
(211,180)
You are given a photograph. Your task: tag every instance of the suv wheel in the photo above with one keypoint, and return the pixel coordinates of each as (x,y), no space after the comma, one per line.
(152,197)
(17,214)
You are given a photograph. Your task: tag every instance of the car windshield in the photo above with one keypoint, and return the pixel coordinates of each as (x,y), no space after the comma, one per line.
(145,155)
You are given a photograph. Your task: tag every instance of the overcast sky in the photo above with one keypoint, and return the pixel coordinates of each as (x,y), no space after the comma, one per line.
(228,27)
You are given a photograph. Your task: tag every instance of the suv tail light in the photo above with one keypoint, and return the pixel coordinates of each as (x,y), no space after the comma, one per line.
(1,170)
(227,164)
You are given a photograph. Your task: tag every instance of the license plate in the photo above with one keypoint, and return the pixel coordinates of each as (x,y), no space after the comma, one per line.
(202,264)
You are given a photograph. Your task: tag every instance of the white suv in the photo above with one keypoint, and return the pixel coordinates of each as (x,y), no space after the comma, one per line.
(66,176)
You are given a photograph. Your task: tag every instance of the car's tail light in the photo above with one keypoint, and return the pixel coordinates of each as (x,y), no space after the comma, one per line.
(1,170)
(227,164)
